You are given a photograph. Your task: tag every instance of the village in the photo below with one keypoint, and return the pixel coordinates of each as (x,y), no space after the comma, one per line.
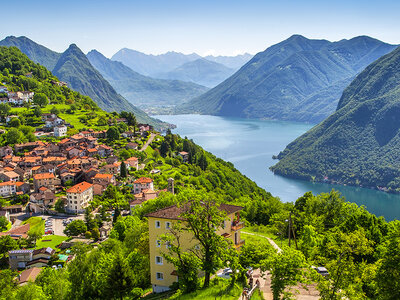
(48,185)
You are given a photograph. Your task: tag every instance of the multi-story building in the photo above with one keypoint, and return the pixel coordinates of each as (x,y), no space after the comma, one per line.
(48,180)
(60,131)
(163,273)
(142,183)
(8,188)
(79,196)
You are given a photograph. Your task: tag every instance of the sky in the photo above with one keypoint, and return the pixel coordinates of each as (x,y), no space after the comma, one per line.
(216,27)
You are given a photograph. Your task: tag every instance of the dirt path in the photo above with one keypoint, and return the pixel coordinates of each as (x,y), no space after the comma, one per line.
(151,138)
(271,241)
(300,293)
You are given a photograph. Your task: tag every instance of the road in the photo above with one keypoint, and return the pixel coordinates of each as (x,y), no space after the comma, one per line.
(151,138)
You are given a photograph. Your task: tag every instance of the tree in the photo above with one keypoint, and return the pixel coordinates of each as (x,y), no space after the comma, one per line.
(54,110)
(3,223)
(118,281)
(186,263)
(75,228)
(37,111)
(14,136)
(7,244)
(112,134)
(201,216)
(35,234)
(40,99)
(59,206)
(388,273)
(89,220)
(14,122)
(345,251)
(4,109)
(124,172)
(286,269)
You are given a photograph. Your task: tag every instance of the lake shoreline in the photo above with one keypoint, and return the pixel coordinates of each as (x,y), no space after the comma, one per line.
(250,146)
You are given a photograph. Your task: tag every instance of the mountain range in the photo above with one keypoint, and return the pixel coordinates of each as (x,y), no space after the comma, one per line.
(359,144)
(73,67)
(298,79)
(152,65)
(201,71)
(141,90)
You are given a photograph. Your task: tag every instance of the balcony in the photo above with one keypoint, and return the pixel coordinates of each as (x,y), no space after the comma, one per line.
(239,244)
(237,226)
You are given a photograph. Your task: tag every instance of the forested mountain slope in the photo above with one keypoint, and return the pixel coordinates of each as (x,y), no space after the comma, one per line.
(360,143)
(298,79)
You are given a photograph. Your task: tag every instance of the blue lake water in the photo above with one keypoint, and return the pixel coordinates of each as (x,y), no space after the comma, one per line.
(250,144)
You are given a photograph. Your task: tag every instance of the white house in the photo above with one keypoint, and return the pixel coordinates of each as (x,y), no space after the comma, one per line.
(8,188)
(79,196)
(60,131)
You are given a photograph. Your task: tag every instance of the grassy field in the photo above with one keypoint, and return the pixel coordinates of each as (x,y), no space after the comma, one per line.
(73,119)
(218,290)
(36,223)
(51,241)
(263,233)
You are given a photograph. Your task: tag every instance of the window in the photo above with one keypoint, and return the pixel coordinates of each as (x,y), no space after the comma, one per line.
(167,245)
(159,276)
(158,243)
(159,260)
(168,225)
(158,224)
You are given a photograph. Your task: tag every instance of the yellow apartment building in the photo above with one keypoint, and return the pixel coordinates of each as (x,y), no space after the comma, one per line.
(163,273)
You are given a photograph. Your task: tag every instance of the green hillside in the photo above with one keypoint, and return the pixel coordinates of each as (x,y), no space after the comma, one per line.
(141,90)
(34,51)
(73,67)
(360,143)
(298,79)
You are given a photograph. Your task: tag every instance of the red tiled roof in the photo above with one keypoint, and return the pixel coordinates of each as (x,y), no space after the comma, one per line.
(7,183)
(103,176)
(143,180)
(80,187)
(44,176)
(174,212)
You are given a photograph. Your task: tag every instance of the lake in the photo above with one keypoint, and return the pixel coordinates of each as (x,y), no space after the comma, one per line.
(250,144)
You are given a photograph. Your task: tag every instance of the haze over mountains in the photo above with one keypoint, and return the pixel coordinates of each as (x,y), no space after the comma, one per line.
(142,90)
(73,67)
(201,71)
(360,143)
(298,79)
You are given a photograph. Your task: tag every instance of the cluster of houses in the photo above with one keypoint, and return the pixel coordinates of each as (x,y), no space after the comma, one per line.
(15,98)
(78,164)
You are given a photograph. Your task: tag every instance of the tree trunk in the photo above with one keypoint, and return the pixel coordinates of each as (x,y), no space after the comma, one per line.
(206,280)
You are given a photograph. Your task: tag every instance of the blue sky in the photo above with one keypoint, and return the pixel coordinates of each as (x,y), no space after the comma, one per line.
(206,27)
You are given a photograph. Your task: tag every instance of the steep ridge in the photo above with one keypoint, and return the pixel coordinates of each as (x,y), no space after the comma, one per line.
(360,143)
(73,67)
(34,51)
(296,73)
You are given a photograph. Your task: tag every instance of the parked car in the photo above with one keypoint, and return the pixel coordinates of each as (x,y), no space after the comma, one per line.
(321,270)
(226,273)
